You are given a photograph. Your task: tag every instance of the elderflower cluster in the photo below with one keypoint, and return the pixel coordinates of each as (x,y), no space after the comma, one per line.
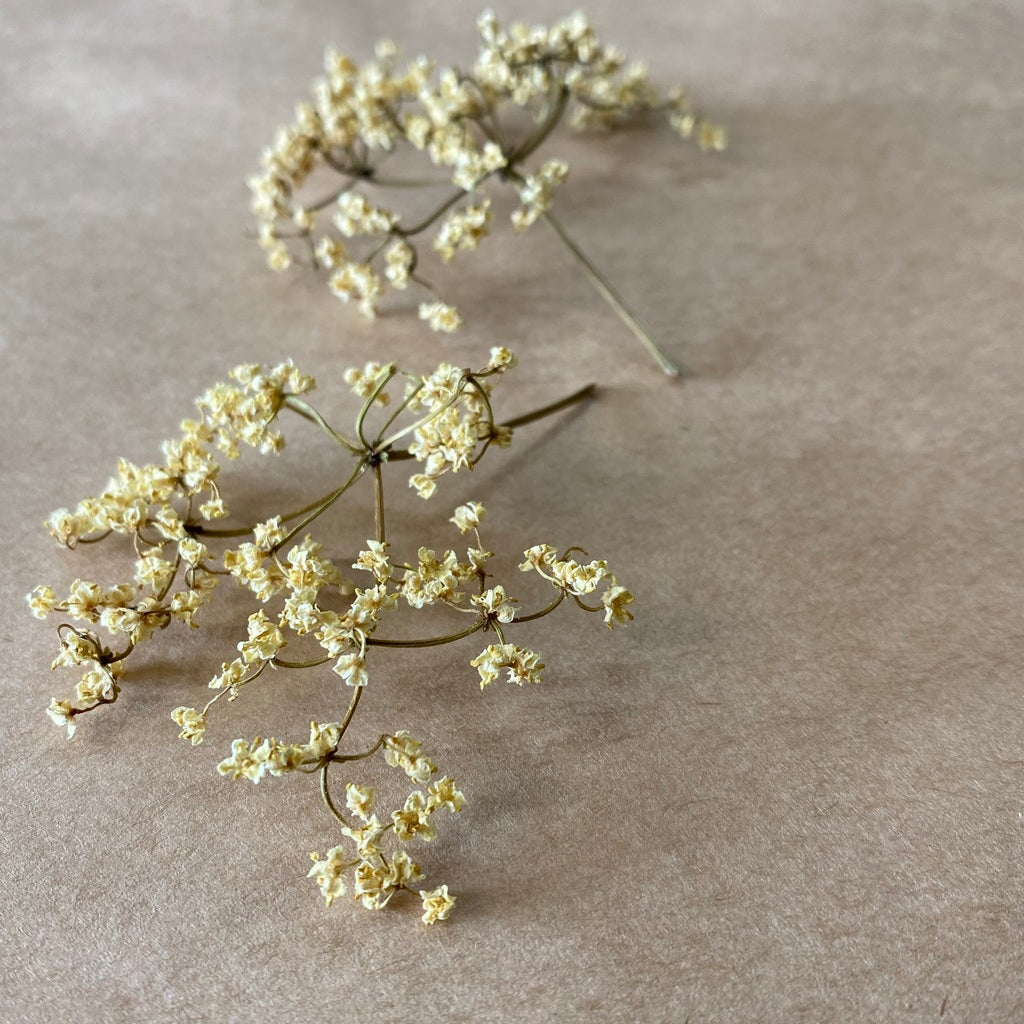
(374,872)
(458,424)
(254,760)
(577,581)
(359,114)
(301,610)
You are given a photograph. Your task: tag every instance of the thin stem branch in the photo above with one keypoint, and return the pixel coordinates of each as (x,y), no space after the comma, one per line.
(306,411)
(400,408)
(430,218)
(352,705)
(281,663)
(326,794)
(608,293)
(586,392)
(323,506)
(205,531)
(359,757)
(544,611)
(373,641)
(554,113)
(378,502)
(370,399)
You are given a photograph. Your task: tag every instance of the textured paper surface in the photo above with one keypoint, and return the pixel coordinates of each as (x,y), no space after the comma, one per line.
(792,791)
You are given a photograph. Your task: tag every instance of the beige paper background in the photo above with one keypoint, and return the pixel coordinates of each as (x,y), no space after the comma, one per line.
(793,790)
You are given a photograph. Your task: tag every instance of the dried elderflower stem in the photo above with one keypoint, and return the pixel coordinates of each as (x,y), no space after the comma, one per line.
(303,603)
(460,121)
(612,298)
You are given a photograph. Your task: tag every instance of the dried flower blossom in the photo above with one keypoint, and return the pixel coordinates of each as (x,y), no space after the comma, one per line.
(303,603)
(459,120)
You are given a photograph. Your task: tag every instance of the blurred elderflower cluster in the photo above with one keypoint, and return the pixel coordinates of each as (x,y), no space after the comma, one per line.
(302,603)
(482,127)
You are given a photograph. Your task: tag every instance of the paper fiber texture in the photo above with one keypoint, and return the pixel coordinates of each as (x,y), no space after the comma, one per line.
(792,789)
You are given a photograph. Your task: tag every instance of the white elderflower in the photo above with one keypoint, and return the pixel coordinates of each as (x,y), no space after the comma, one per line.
(468,517)
(437,904)
(399,259)
(359,800)
(42,601)
(268,535)
(615,599)
(463,229)
(537,191)
(440,316)
(444,794)
(265,639)
(365,381)
(501,359)
(191,722)
(495,604)
(522,665)
(329,873)
(375,559)
(62,713)
(352,668)
(402,751)
(356,216)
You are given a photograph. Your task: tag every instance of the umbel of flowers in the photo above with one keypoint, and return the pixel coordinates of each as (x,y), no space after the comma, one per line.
(467,125)
(303,611)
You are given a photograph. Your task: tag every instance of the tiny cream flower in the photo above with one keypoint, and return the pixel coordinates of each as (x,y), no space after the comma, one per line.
(522,665)
(413,820)
(444,794)
(468,517)
(192,724)
(42,601)
(359,800)
(496,604)
(192,552)
(329,873)
(265,639)
(615,599)
(352,668)
(268,535)
(440,317)
(437,904)
(375,559)
(501,359)
(62,713)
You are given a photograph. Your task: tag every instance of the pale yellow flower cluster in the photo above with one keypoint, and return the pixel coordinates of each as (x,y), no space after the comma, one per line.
(537,191)
(523,665)
(306,613)
(98,685)
(457,423)
(377,873)
(576,580)
(153,504)
(253,760)
(459,122)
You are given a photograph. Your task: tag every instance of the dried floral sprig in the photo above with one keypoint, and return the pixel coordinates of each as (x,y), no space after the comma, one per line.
(460,121)
(447,423)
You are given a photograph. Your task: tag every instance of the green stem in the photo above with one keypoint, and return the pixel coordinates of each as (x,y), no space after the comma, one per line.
(547,410)
(608,293)
(378,502)
(430,218)
(204,531)
(306,411)
(544,611)
(323,506)
(555,110)
(436,641)
(326,794)
(361,418)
